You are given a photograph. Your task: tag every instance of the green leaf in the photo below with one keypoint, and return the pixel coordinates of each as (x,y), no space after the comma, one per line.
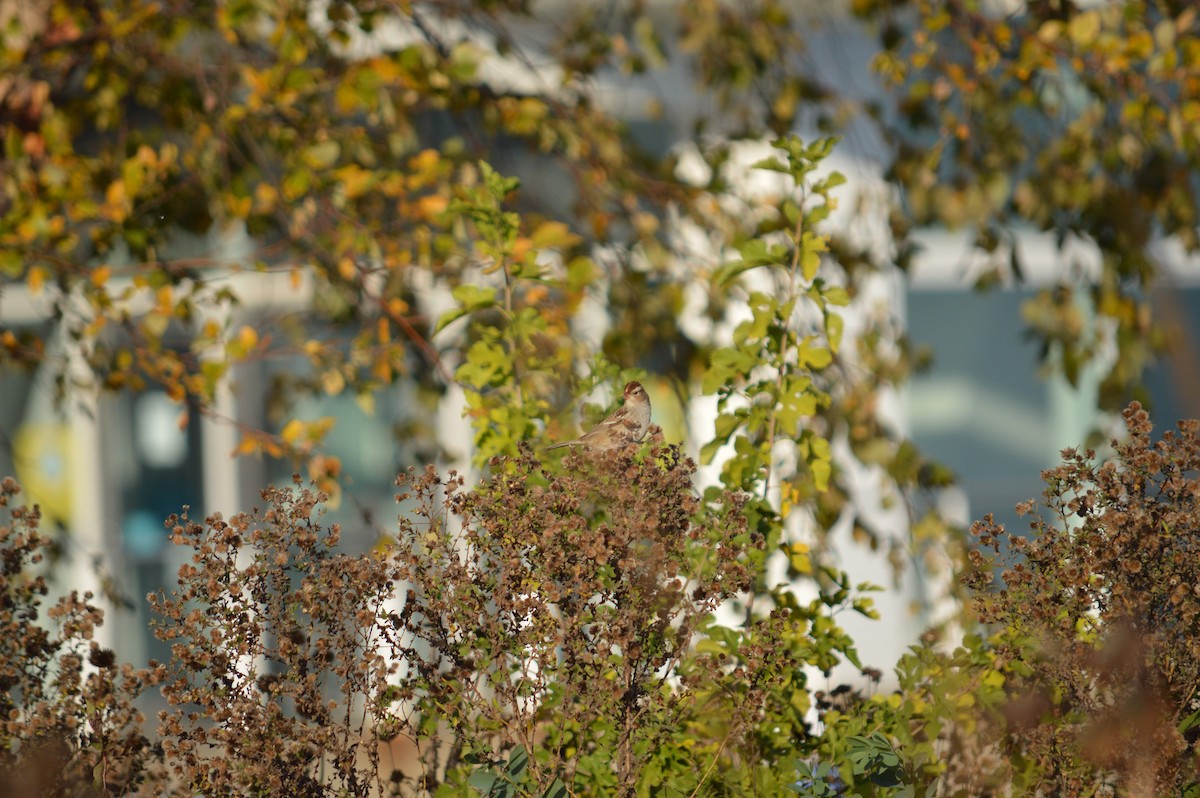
(322,156)
(556,790)
(812,355)
(497,184)
(835,327)
(726,366)
(822,470)
(811,247)
(482,780)
(517,761)
(829,182)
(771,164)
(755,252)
(12,262)
(470,299)
(581,271)
(487,364)
(834,294)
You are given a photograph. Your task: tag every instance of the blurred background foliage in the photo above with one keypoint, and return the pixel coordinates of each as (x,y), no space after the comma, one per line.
(469,197)
(341,142)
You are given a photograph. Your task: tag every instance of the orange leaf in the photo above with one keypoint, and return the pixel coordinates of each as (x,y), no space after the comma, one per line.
(100,275)
(247,445)
(35,279)
(432,205)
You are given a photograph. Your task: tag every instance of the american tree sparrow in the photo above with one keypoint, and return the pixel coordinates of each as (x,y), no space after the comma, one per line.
(627,424)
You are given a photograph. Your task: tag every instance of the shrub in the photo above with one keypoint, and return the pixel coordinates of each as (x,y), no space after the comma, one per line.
(68,724)
(550,631)
(277,672)
(547,631)
(1100,608)
(549,613)
(1079,673)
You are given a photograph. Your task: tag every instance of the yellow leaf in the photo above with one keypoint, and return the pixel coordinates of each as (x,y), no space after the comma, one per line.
(1050,31)
(1084,28)
(115,193)
(247,338)
(536,295)
(366,402)
(553,235)
(292,431)
(646,224)
(35,279)
(799,559)
(333,382)
(354,179)
(424,166)
(320,428)
(238,206)
(382,370)
(265,197)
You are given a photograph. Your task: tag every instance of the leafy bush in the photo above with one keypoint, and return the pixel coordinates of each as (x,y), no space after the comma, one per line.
(551,613)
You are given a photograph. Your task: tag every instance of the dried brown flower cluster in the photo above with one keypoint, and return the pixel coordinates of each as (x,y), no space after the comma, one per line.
(1100,607)
(277,671)
(537,630)
(68,725)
